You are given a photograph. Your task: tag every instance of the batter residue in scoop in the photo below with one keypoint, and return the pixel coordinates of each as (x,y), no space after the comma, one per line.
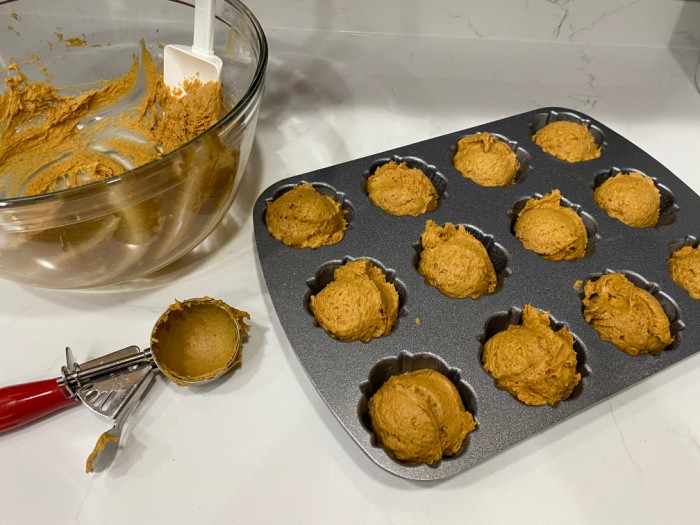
(401,190)
(531,361)
(304,218)
(628,316)
(684,267)
(358,304)
(419,417)
(551,230)
(631,198)
(455,262)
(486,160)
(51,141)
(198,339)
(569,141)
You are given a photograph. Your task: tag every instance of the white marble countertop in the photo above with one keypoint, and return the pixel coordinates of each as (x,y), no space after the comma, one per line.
(260,446)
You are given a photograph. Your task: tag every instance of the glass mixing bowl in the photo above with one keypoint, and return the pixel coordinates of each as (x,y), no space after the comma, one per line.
(133,224)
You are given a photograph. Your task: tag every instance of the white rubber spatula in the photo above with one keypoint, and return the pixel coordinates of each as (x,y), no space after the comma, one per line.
(196,61)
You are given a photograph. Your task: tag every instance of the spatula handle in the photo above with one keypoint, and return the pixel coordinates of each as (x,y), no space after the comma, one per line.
(22,404)
(203,39)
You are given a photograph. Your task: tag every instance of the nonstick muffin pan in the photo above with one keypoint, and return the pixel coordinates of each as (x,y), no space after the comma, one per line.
(447,334)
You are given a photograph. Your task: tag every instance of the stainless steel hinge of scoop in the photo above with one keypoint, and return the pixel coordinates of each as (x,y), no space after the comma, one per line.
(109,384)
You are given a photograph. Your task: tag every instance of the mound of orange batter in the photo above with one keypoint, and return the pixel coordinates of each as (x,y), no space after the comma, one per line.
(531,361)
(631,198)
(486,160)
(400,190)
(569,141)
(628,316)
(455,262)
(684,267)
(419,417)
(304,218)
(358,304)
(553,231)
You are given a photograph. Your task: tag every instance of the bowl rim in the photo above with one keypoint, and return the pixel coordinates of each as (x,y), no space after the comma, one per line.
(98,187)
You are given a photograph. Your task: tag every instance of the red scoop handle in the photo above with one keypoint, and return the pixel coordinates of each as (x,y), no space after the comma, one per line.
(22,404)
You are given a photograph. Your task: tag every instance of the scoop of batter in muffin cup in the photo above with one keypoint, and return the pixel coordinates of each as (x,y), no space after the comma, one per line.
(455,262)
(404,187)
(358,303)
(553,231)
(684,265)
(303,217)
(628,315)
(533,361)
(418,409)
(633,198)
(567,137)
(490,160)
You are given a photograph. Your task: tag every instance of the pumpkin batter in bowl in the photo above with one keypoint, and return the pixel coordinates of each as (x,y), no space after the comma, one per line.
(53,141)
(164,202)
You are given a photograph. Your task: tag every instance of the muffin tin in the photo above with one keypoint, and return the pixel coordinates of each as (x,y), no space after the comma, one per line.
(447,334)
